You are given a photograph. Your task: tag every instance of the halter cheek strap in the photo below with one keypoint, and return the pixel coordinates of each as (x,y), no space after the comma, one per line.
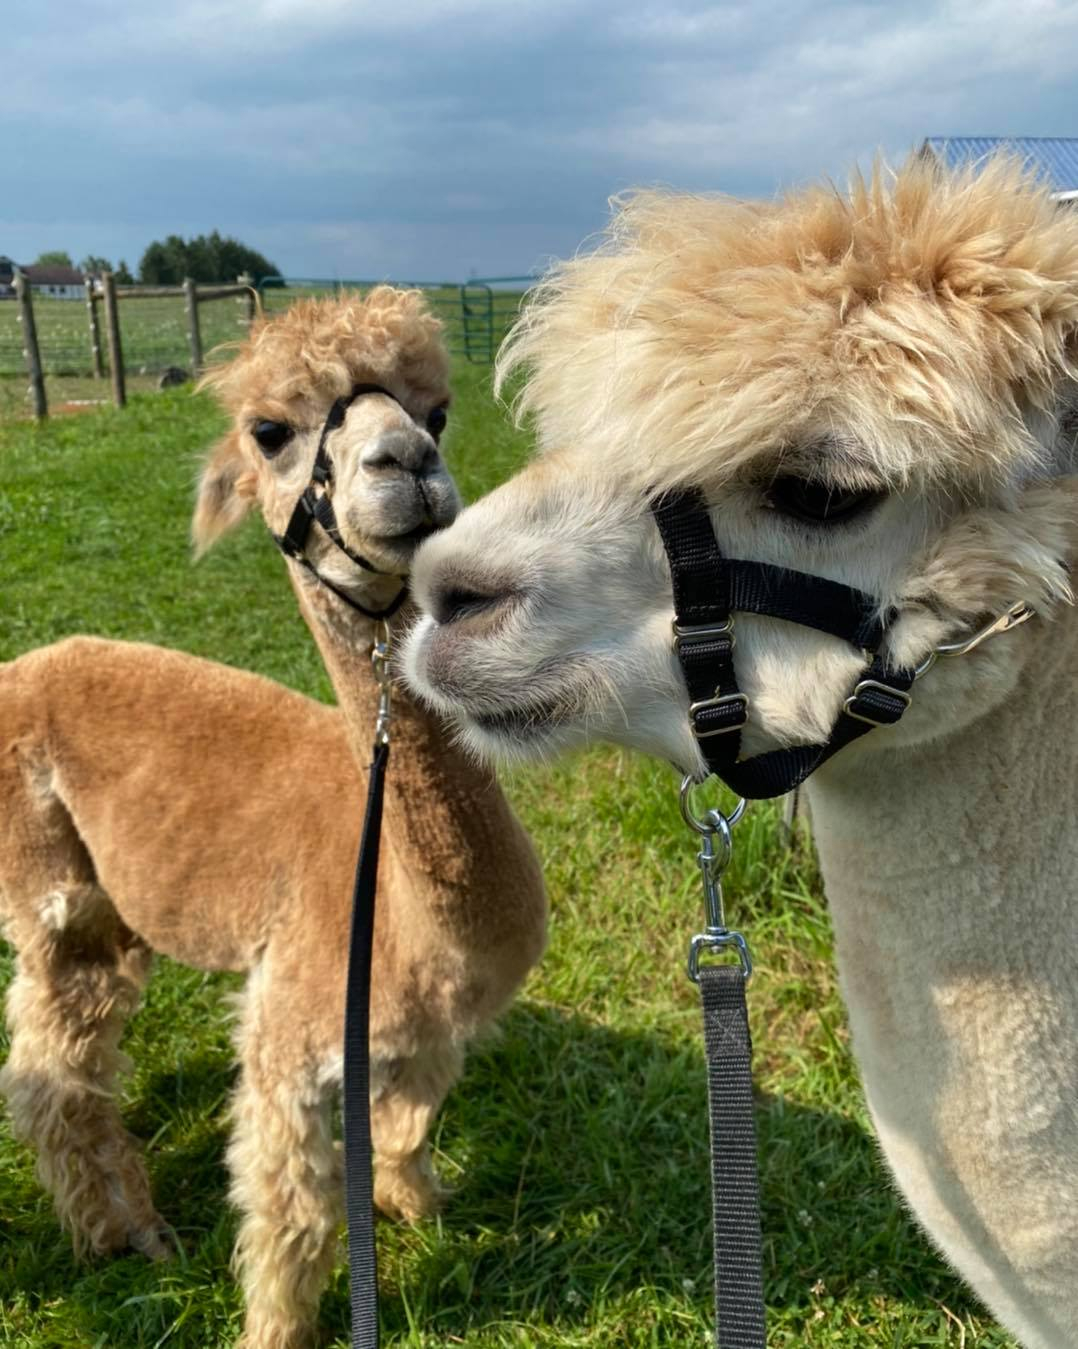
(315,505)
(708,590)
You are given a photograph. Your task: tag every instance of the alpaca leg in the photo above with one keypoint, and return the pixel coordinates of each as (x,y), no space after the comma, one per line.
(286,1176)
(405,1183)
(78,977)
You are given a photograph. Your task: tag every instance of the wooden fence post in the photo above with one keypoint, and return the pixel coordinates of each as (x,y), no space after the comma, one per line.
(112,329)
(95,329)
(191,305)
(246,279)
(29,345)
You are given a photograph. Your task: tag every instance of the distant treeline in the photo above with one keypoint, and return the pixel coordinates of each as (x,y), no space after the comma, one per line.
(207,258)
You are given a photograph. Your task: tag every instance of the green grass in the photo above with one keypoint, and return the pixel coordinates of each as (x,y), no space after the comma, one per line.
(577,1139)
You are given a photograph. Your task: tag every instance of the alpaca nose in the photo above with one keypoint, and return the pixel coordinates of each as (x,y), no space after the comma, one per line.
(458,599)
(401,450)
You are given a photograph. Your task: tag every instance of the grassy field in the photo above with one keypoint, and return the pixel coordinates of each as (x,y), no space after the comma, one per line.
(577,1139)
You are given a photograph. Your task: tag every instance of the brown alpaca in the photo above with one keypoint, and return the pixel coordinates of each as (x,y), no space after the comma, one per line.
(103,742)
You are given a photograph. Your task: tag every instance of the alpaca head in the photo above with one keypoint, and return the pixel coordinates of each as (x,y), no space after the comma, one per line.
(390,487)
(877,388)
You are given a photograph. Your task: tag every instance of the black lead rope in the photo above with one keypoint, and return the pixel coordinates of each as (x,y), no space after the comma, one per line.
(315,506)
(356,1091)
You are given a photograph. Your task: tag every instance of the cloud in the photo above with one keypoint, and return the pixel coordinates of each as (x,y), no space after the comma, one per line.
(434,137)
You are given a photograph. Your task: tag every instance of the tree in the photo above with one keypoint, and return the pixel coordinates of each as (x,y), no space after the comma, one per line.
(54,257)
(92,265)
(206,258)
(155,269)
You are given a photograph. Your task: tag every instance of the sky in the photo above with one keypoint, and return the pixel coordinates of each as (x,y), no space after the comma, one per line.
(442,139)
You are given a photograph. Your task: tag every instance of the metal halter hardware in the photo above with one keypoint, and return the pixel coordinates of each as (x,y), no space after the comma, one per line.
(381,664)
(713,826)
(710,588)
(315,505)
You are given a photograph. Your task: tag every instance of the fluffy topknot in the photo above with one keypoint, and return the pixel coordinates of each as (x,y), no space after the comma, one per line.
(318,349)
(915,322)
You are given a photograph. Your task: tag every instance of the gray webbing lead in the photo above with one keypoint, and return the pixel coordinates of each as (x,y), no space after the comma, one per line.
(735,1186)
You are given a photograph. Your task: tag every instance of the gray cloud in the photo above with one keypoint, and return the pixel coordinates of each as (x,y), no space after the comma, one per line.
(438,137)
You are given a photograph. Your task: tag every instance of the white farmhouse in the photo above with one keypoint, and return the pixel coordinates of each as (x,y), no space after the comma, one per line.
(56,282)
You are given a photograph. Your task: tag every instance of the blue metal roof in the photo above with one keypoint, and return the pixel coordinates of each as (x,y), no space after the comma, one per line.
(1054,156)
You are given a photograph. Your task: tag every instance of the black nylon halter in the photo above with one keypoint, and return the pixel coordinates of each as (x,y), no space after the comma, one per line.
(708,590)
(315,504)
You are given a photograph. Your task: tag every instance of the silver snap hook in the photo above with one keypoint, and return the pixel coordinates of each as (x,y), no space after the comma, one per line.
(716,846)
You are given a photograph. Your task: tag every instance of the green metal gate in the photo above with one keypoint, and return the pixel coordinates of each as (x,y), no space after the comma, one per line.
(476,314)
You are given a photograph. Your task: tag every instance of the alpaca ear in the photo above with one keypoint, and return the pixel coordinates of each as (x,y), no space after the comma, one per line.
(226,492)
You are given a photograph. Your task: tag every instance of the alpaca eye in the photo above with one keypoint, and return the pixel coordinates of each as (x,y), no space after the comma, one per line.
(820,503)
(436,420)
(272,437)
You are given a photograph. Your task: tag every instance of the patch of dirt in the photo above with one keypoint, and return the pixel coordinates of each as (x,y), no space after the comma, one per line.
(78,405)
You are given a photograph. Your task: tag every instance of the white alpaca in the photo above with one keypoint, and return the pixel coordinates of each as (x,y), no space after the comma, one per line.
(877,389)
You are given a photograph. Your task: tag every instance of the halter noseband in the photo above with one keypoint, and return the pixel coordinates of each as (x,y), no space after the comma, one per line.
(315,504)
(709,589)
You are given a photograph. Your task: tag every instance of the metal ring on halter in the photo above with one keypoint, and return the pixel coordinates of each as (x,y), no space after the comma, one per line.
(1019,613)
(381,656)
(706,824)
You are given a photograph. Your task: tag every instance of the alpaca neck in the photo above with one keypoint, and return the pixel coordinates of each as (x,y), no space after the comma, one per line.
(953,850)
(344,638)
(950,870)
(449,824)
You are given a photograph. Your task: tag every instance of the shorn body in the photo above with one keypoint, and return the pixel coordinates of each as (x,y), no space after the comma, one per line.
(156,803)
(878,388)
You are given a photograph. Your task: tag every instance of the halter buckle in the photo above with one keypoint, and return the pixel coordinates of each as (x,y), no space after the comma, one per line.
(706,705)
(703,632)
(881,717)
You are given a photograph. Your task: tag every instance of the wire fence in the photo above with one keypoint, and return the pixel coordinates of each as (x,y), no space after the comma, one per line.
(157,339)
(154,332)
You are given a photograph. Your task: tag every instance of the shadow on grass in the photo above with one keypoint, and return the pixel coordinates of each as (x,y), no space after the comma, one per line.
(582,1187)
(585,1183)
